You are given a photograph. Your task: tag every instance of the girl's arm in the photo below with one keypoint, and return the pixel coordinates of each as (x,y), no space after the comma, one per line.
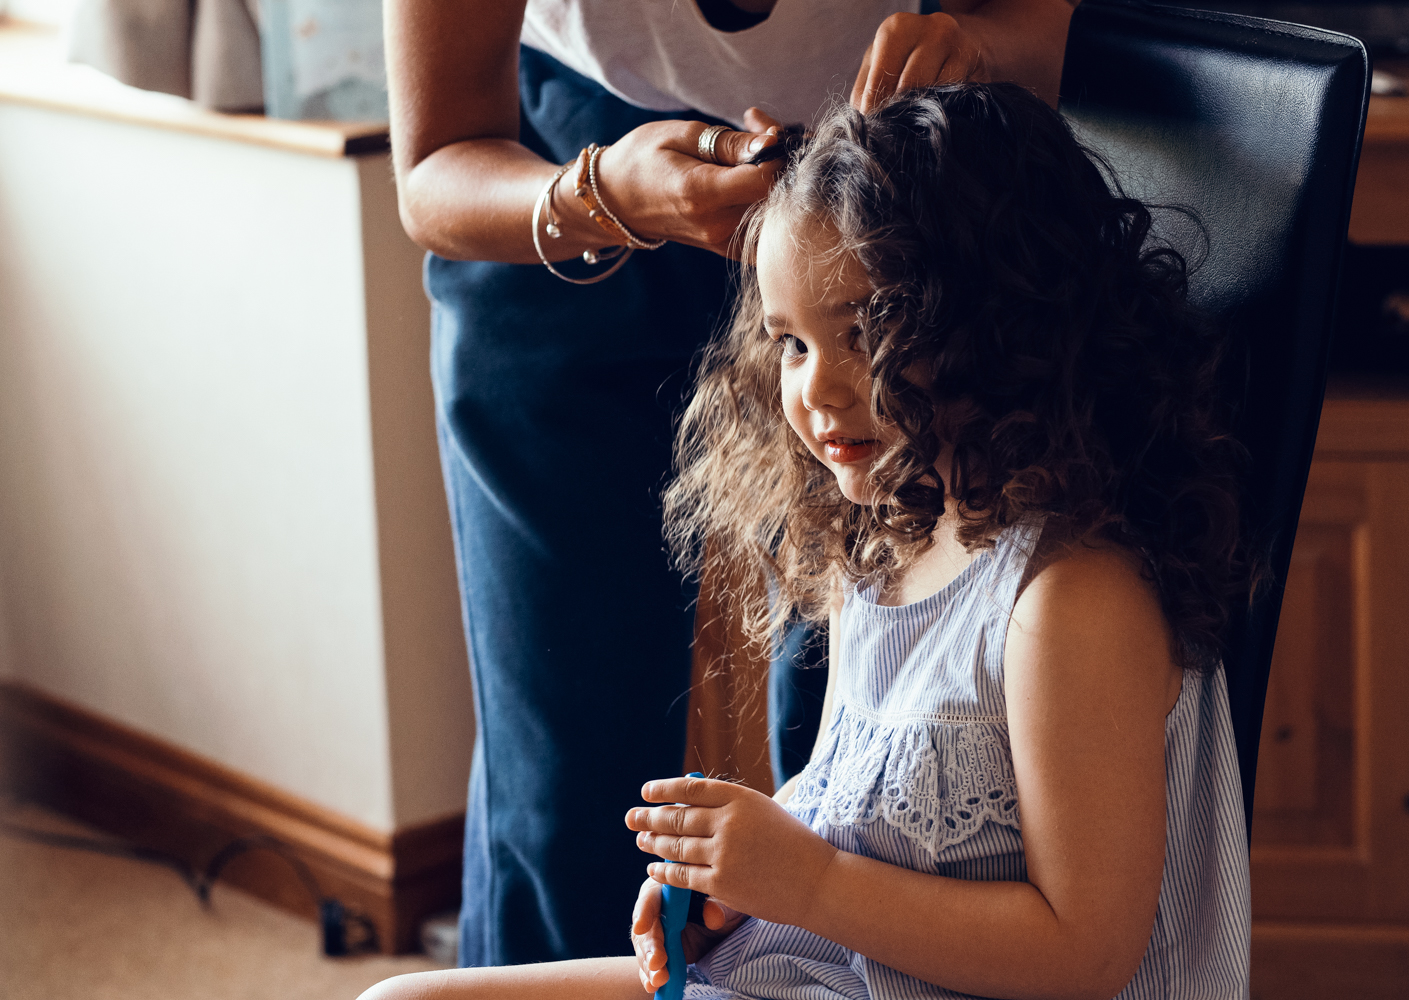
(467,187)
(1089,680)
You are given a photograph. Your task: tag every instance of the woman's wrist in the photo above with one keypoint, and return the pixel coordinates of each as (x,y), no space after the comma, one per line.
(621,241)
(579,231)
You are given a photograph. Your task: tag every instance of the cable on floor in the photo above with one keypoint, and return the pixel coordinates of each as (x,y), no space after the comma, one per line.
(345,931)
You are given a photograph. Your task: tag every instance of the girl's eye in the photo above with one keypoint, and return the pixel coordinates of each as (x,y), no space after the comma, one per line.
(792,347)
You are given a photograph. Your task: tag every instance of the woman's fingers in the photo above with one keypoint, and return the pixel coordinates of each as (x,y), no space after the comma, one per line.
(924,66)
(884,64)
(915,50)
(656,183)
(858,89)
(735,148)
(758,120)
(731,148)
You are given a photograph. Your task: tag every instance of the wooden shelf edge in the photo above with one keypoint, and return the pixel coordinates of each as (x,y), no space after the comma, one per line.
(33,74)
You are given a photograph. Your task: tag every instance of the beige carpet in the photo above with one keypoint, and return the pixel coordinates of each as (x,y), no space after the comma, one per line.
(80,925)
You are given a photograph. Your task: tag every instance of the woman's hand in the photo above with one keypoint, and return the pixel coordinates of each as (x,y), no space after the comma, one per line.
(466,185)
(733,843)
(648,937)
(653,180)
(916,50)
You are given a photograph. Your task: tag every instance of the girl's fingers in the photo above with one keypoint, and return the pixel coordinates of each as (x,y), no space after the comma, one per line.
(681,820)
(717,916)
(650,952)
(686,850)
(691,791)
(680,876)
(646,915)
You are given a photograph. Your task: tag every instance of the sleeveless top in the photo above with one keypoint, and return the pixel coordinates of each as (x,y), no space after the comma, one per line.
(916,770)
(663,55)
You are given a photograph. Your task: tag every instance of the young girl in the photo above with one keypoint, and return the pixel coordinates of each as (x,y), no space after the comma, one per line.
(964,415)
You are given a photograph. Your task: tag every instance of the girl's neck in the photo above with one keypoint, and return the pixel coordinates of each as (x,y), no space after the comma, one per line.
(934,570)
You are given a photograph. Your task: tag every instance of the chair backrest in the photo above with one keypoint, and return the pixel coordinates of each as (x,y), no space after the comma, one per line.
(1255,125)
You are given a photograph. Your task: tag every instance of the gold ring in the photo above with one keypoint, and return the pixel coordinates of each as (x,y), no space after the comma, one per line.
(705,145)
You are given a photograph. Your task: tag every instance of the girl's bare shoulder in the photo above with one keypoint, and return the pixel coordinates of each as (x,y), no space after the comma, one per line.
(1088,604)
(1064,556)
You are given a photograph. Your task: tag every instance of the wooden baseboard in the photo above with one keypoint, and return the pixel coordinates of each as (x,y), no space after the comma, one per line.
(1292,961)
(147,790)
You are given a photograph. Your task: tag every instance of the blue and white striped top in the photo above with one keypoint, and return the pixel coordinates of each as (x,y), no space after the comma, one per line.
(916,770)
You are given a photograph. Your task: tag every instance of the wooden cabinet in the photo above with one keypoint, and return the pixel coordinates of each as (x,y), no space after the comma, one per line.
(1330,858)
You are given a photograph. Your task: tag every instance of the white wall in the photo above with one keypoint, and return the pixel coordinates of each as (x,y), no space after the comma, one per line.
(54,12)
(7,668)
(429,697)
(189,500)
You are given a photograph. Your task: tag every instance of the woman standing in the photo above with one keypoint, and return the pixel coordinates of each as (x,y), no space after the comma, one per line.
(555,399)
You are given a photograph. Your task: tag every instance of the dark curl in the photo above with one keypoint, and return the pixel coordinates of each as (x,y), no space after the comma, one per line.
(1058,356)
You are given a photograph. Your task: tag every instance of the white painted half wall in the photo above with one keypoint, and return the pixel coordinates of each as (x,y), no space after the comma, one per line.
(221,518)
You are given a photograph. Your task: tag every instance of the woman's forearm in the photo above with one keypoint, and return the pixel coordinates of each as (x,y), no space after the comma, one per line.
(473,200)
(465,184)
(988,938)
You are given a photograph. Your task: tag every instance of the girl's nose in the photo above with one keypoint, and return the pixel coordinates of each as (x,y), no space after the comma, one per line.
(828,382)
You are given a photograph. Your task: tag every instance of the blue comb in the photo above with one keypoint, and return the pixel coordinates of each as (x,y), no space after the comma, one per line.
(674,909)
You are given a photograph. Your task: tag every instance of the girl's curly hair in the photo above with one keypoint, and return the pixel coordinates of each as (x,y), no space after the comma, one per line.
(1066,369)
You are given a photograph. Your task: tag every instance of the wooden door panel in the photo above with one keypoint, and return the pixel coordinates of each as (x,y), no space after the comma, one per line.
(1331,818)
(1306,766)
(1309,859)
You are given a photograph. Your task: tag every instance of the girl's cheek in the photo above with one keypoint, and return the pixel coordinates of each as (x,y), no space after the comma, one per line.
(793,408)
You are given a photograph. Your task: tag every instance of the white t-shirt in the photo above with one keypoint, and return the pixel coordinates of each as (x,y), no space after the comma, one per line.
(663,55)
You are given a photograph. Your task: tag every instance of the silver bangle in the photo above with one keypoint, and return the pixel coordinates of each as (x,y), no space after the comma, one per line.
(555,232)
(632,240)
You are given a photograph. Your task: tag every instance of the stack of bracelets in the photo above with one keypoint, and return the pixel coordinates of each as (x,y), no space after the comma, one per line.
(624,241)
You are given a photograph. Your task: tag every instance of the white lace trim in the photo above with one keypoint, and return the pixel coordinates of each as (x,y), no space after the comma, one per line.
(934,782)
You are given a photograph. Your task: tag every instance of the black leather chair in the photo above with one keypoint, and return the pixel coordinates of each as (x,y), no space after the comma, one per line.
(1256,126)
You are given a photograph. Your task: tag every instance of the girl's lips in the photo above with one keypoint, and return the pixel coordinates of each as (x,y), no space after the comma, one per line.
(844,452)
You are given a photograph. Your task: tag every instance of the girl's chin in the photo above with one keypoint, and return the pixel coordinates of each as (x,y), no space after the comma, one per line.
(856,489)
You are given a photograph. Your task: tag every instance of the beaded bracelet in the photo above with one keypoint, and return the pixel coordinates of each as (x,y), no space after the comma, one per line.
(591,196)
(555,231)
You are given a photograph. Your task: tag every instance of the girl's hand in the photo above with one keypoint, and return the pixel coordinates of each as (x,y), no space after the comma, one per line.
(916,50)
(653,180)
(734,844)
(648,937)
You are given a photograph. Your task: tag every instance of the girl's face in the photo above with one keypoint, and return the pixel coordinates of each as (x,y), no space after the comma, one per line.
(810,298)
